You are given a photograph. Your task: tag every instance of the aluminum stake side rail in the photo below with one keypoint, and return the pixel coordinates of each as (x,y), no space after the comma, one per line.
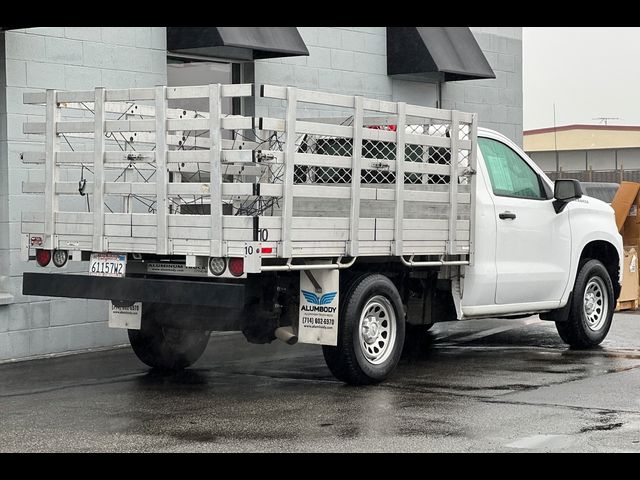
(125,173)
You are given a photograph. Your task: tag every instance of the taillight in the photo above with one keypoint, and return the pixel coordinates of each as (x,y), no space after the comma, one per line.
(217,265)
(236,266)
(60,257)
(43,257)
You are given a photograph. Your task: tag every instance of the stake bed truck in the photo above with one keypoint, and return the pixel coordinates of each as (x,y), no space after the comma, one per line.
(342,221)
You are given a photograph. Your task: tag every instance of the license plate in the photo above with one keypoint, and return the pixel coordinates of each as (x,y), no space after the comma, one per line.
(107,265)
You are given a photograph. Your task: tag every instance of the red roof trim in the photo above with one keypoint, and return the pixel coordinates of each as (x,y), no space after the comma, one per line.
(564,128)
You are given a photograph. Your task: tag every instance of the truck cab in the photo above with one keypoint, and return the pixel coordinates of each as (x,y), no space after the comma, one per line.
(529,244)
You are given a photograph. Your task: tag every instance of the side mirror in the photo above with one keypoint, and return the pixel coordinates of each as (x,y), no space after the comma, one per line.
(564,191)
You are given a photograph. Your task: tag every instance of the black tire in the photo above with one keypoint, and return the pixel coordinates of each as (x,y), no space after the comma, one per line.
(167,348)
(576,331)
(347,361)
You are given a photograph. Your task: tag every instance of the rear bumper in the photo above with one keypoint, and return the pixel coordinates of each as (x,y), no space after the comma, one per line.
(152,290)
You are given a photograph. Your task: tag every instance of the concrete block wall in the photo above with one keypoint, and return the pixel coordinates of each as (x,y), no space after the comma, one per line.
(498,101)
(62,58)
(347,60)
(5,296)
(352,60)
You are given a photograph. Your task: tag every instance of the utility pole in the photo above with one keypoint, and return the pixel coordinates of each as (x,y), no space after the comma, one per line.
(555,139)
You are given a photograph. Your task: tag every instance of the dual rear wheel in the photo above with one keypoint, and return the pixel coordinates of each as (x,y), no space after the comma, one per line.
(371,334)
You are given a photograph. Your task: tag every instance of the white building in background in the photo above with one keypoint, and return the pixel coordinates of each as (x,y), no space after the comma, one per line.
(475,70)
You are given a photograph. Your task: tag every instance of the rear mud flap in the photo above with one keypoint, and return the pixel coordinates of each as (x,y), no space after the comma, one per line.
(319,302)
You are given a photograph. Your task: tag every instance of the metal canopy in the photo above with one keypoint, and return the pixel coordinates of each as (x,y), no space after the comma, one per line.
(238,43)
(435,53)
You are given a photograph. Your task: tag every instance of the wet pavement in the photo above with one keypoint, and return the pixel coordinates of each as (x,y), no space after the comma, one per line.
(485,385)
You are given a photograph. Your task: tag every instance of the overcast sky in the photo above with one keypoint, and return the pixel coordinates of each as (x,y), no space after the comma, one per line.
(587,71)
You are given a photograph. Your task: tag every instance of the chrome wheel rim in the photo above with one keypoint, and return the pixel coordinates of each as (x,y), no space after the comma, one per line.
(595,304)
(377,330)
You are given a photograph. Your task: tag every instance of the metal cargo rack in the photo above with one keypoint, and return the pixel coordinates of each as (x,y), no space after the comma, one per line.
(123,172)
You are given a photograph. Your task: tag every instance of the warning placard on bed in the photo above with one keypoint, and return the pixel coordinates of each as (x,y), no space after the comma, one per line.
(319,297)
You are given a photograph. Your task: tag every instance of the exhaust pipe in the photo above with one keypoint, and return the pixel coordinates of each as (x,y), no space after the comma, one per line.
(287,335)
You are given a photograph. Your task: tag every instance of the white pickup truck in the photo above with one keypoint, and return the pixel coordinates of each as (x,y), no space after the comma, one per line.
(350,230)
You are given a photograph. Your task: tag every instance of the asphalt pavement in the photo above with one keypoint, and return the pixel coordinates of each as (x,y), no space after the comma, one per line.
(476,386)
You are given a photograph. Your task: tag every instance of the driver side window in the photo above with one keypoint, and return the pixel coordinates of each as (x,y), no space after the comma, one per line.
(509,174)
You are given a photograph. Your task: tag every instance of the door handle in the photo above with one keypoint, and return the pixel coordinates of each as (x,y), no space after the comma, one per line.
(507,215)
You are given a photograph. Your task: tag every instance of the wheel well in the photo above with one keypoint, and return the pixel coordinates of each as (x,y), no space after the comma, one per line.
(608,255)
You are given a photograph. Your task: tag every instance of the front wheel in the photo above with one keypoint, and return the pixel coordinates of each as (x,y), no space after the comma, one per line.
(164,347)
(370,332)
(592,307)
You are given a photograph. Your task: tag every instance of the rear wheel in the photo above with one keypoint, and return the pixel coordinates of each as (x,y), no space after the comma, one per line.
(370,332)
(592,307)
(167,348)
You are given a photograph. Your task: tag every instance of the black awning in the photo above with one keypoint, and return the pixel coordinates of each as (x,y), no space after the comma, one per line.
(236,43)
(442,53)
